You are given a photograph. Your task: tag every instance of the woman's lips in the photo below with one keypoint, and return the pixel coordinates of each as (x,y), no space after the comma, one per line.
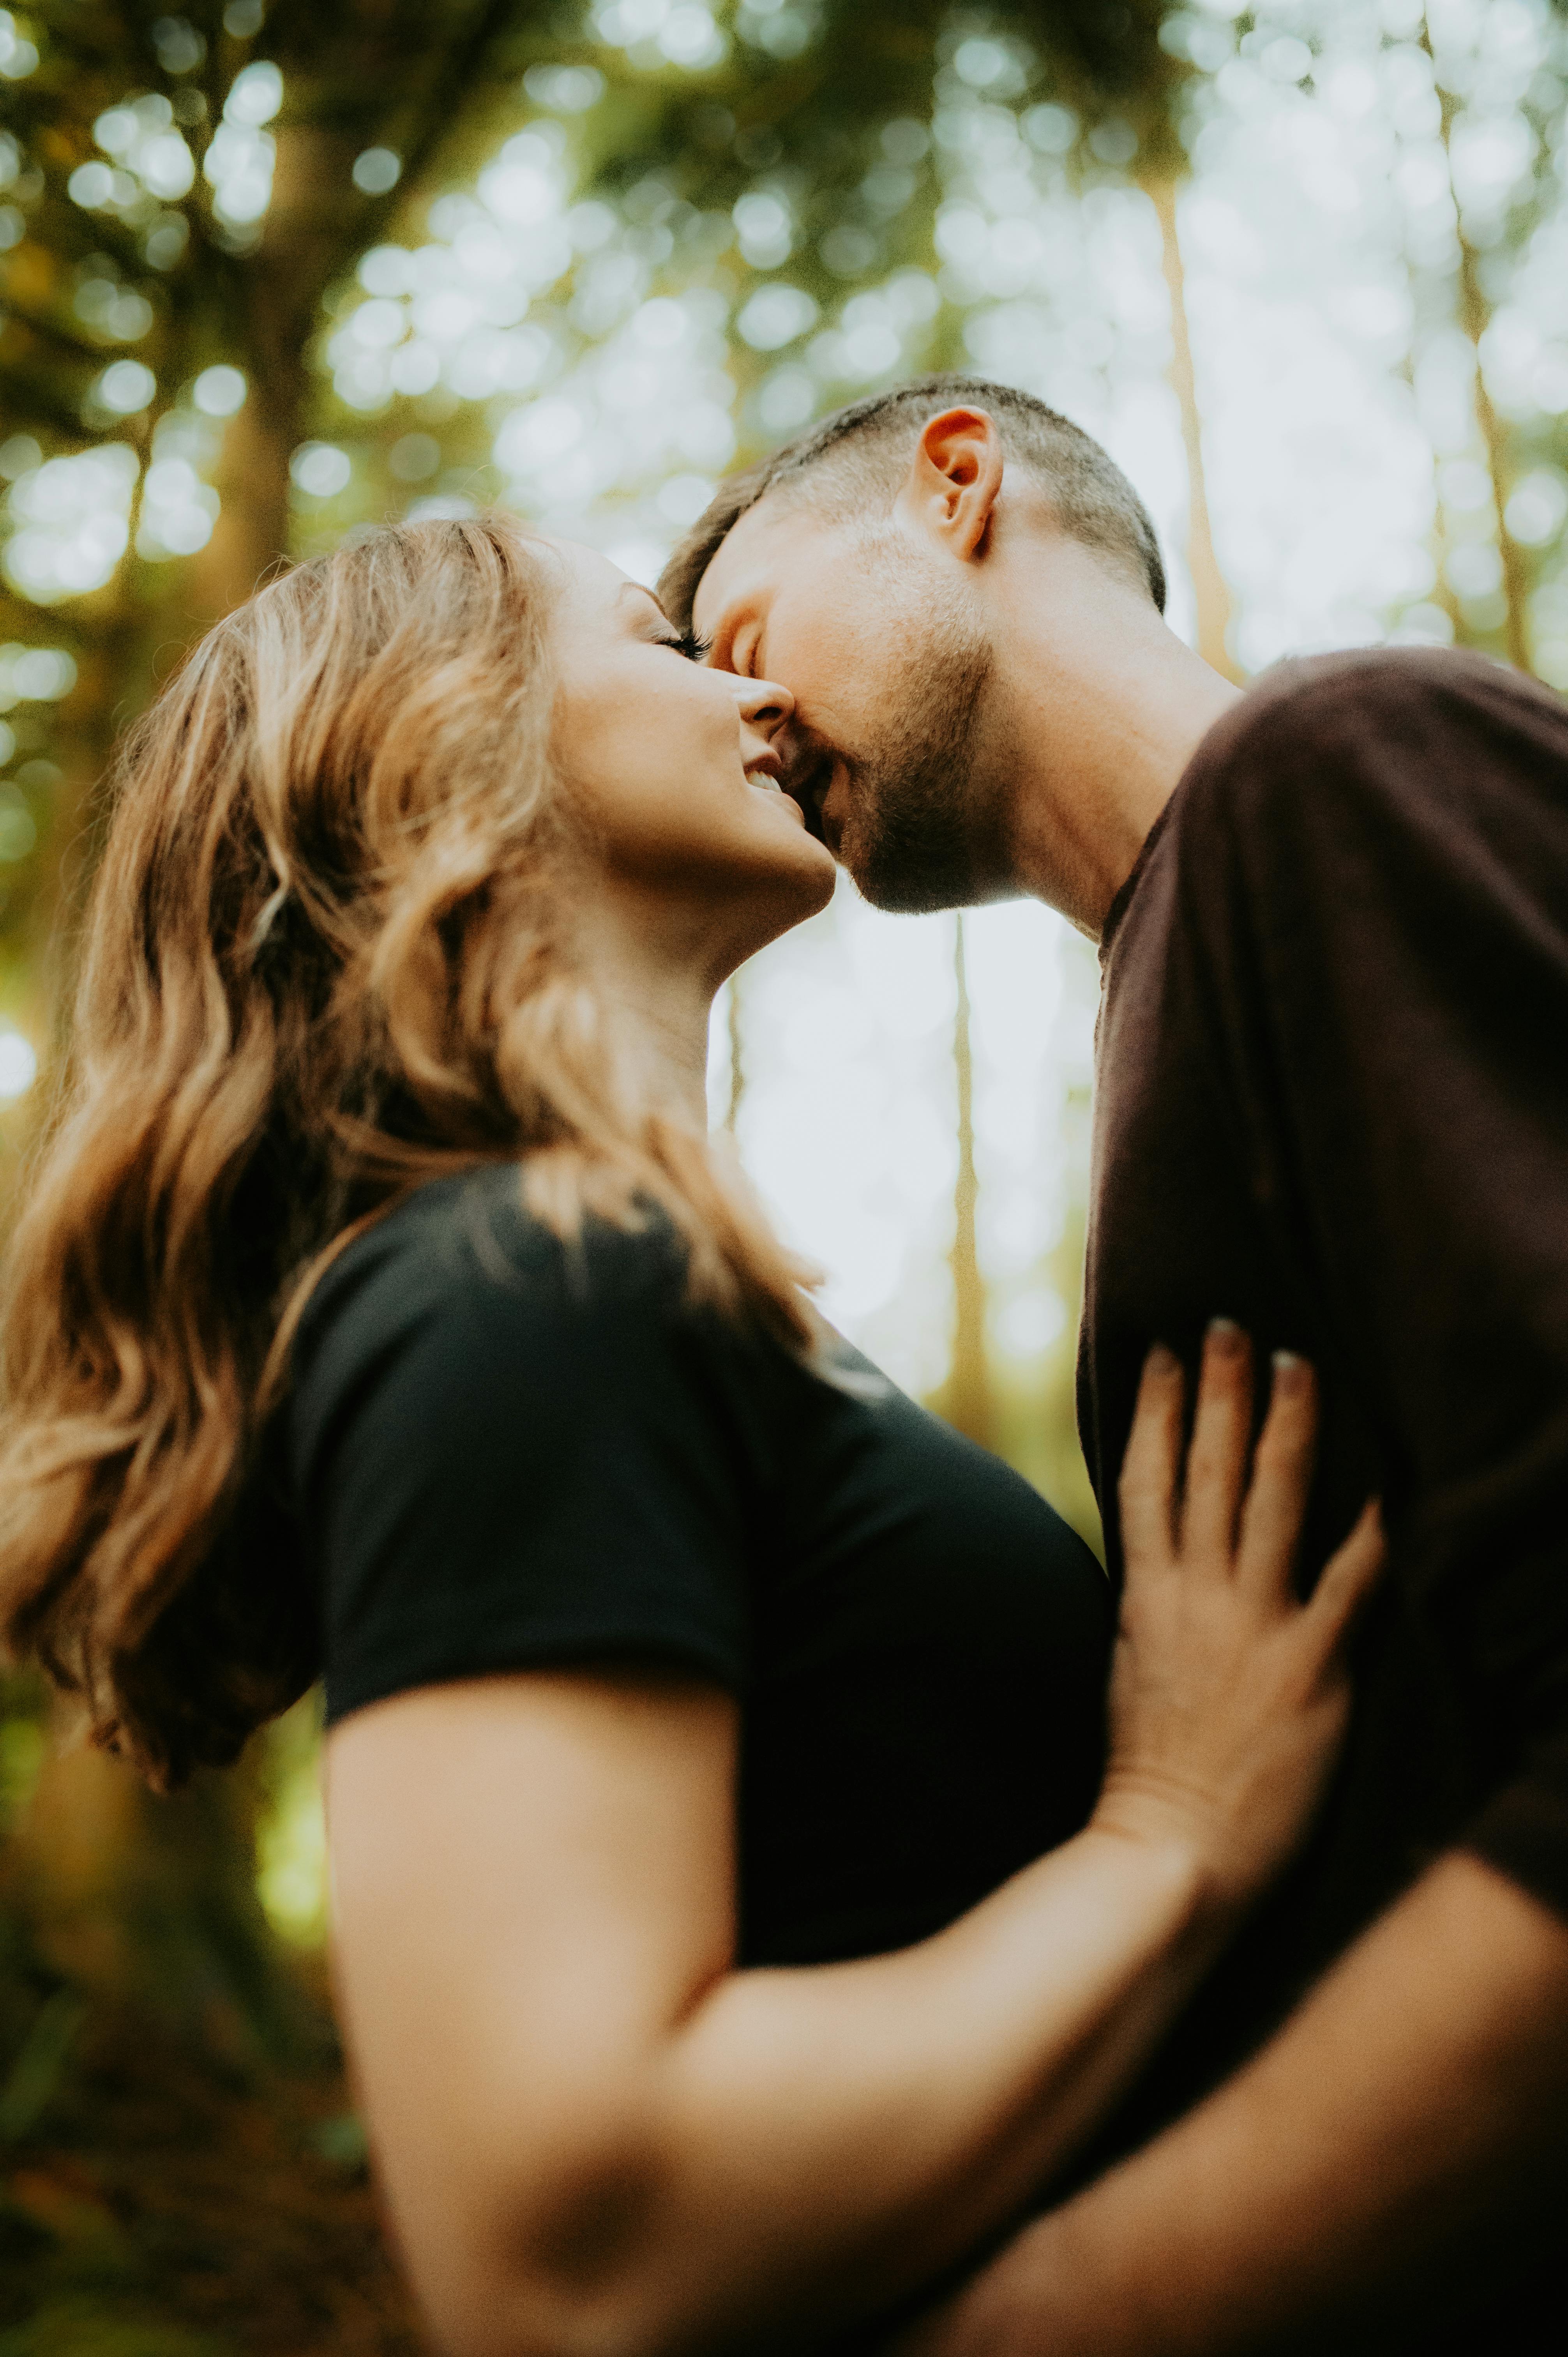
(766,783)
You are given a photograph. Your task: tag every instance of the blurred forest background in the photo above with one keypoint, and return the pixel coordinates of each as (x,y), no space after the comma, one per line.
(273,274)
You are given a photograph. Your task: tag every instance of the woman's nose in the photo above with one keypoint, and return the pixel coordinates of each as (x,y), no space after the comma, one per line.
(764,703)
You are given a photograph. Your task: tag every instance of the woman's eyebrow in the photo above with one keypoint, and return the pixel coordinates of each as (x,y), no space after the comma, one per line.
(638,589)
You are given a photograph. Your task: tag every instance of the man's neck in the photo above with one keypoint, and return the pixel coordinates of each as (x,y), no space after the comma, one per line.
(1096,709)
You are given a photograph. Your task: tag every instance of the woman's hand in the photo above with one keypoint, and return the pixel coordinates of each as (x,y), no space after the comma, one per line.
(1229,1697)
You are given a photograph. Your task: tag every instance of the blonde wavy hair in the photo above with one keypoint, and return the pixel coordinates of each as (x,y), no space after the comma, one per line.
(326,957)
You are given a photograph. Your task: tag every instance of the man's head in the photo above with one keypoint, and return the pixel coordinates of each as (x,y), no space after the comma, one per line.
(849,564)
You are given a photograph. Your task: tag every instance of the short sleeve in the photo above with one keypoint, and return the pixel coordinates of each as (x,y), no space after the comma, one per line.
(1376,860)
(508,1454)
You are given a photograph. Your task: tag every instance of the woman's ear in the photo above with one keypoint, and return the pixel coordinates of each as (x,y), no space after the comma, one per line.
(953,480)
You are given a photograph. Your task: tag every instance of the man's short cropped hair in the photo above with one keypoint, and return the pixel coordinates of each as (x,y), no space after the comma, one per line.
(856,459)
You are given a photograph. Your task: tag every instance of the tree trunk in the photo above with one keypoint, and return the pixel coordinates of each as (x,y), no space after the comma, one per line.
(967,1400)
(252,480)
(1475,316)
(278,303)
(1209,589)
(736,1028)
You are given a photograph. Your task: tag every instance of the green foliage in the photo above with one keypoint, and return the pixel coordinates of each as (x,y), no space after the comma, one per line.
(36,2071)
(81,2326)
(291,1834)
(22,1746)
(158,2210)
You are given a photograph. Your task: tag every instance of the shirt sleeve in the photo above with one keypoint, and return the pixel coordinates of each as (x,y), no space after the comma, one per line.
(505,1464)
(1377,866)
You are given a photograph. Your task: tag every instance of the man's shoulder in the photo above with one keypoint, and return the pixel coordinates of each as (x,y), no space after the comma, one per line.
(1343,700)
(1384,723)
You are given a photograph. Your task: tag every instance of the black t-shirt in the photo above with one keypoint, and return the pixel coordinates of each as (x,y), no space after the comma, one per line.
(505,1453)
(1331,1103)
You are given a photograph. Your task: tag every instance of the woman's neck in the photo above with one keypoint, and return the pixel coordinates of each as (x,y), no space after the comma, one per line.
(660,996)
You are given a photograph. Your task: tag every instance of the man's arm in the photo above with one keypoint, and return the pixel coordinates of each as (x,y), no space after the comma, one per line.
(1344,2183)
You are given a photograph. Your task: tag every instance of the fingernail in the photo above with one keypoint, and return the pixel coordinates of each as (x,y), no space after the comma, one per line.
(1291,1368)
(1224,1334)
(1160,1361)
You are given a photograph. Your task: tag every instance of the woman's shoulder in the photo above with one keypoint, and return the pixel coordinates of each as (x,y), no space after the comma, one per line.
(460,1306)
(506,1448)
(469,1245)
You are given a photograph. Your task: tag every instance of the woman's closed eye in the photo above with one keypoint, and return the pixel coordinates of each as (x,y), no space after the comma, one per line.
(686,642)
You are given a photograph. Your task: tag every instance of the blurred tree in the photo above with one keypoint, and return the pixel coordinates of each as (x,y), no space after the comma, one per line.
(181,197)
(1495,218)
(967,1398)
(1140,75)
(735,1040)
(1212,598)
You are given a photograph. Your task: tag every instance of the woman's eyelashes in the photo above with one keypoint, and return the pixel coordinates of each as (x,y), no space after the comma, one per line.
(685,642)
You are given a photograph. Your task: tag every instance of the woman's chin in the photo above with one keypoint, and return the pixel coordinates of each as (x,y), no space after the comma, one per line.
(817,870)
(798,883)
(779,839)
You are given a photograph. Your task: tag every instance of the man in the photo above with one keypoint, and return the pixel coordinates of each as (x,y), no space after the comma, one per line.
(1333,1105)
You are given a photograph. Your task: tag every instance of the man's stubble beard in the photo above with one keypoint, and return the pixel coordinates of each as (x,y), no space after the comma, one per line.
(917,836)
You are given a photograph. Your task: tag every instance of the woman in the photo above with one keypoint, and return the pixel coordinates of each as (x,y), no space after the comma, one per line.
(729,1939)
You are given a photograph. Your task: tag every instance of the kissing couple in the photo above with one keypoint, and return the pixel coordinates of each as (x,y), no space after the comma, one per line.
(785,1897)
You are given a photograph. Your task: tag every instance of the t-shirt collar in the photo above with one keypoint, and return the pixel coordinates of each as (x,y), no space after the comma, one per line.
(1118,908)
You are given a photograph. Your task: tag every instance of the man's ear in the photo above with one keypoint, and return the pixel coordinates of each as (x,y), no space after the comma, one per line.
(953,478)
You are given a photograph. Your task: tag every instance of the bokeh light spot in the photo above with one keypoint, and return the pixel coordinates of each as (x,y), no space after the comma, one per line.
(18,1064)
(320,470)
(219,392)
(376,171)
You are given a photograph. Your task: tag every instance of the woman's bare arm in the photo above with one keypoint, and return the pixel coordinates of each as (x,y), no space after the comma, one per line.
(1378,2176)
(598,2136)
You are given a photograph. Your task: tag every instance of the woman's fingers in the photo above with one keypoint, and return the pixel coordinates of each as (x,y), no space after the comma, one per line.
(1217,1463)
(1214,1521)
(1152,1467)
(1281,1477)
(1348,1577)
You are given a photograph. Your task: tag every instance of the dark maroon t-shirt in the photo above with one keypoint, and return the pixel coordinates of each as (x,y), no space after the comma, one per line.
(1333,1105)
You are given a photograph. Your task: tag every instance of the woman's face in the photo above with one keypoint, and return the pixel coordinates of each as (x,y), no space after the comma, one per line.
(675,762)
